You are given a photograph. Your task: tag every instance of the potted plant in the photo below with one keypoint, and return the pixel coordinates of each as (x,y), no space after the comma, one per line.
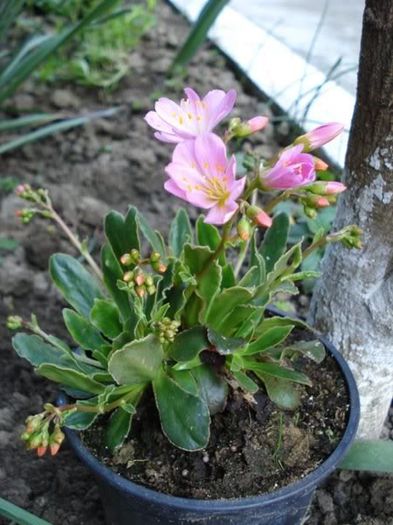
(217,408)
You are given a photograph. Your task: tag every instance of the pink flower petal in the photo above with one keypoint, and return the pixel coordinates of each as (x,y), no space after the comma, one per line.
(174,189)
(221,214)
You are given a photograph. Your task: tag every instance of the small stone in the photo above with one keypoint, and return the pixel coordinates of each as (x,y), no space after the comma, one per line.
(24,102)
(64,99)
(206,458)
(184,473)
(325,501)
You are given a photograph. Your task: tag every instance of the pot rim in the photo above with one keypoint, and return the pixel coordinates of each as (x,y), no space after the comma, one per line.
(299,487)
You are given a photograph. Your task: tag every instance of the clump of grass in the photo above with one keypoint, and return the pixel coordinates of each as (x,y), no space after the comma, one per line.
(102,56)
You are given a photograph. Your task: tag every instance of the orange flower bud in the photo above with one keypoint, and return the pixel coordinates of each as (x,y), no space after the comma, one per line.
(41,451)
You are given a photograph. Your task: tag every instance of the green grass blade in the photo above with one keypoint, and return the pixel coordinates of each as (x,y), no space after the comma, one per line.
(374,455)
(17,515)
(29,120)
(55,128)
(199,32)
(9,10)
(39,49)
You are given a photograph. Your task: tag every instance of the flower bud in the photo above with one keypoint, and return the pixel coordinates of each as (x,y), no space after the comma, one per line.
(155,257)
(310,212)
(259,217)
(244,229)
(140,291)
(320,165)
(135,255)
(161,268)
(126,259)
(151,290)
(41,451)
(240,129)
(140,279)
(319,136)
(149,280)
(14,322)
(21,189)
(128,276)
(54,449)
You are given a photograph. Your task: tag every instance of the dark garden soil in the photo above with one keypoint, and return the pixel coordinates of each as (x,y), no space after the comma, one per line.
(111,163)
(252,448)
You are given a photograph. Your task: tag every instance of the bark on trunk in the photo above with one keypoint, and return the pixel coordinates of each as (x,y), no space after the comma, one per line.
(353,302)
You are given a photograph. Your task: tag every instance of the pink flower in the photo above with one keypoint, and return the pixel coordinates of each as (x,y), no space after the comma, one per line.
(320,136)
(193,117)
(201,174)
(293,169)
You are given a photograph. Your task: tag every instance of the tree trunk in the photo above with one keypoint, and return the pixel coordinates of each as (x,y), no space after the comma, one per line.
(353,301)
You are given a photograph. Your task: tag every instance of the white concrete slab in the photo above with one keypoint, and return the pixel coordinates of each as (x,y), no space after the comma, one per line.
(280,72)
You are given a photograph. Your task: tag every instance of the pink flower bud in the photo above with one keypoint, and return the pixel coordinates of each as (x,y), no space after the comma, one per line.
(263,219)
(41,451)
(54,449)
(321,202)
(21,188)
(320,165)
(333,187)
(320,136)
(257,123)
(140,279)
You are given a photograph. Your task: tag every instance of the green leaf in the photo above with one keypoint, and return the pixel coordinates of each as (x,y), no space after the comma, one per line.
(80,420)
(251,278)
(225,302)
(208,235)
(112,273)
(122,233)
(270,338)
(52,129)
(18,515)
(284,394)
(189,343)
(274,370)
(105,317)
(136,363)
(271,322)
(228,276)
(185,380)
(275,241)
(180,232)
(82,331)
(153,237)
(245,382)
(224,345)
(198,32)
(184,417)
(373,455)
(71,378)
(213,389)
(118,427)
(314,350)
(36,351)
(75,283)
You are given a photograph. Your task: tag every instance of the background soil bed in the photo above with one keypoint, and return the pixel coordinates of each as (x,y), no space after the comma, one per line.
(112,163)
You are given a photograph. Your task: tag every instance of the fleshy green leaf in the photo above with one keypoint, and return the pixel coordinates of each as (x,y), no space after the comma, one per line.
(136,363)
(80,420)
(82,331)
(112,273)
(36,351)
(184,417)
(224,345)
(275,241)
(373,455)
(118,427)
(75,283)
(189,343)
(274,370)
(71,378)
(153,237)
(271,322)
(180,232)
(105,316)
(314,350)
(283,393)
(270,338)
(185,380)
(122,232)
(225,302)
(245,382)
(228,276)
(213,389)
(208,235)
(15,514)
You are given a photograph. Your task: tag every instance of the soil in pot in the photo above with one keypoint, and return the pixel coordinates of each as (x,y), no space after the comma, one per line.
(253,449)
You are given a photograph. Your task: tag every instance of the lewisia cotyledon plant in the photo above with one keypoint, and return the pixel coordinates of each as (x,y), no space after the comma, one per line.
(180,318)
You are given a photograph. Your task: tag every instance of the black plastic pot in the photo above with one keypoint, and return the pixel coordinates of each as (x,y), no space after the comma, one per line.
(127,503)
